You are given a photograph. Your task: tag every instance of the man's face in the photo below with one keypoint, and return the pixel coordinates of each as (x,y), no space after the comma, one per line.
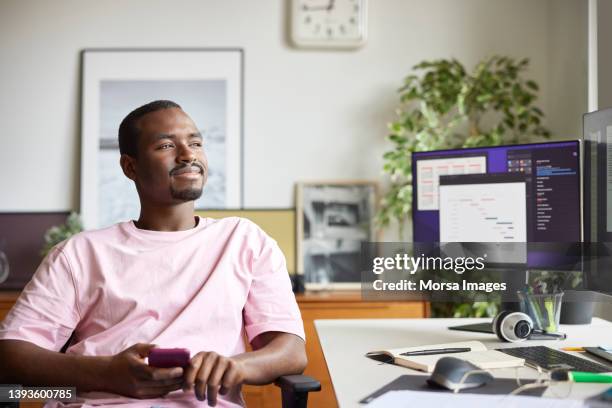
(171,167)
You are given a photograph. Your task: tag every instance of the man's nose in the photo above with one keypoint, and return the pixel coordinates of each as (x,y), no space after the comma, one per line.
(185,155)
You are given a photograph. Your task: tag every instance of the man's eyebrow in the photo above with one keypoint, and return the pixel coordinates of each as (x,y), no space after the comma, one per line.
(161,136)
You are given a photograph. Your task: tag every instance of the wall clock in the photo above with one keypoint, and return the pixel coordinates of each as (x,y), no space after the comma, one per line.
(328,23)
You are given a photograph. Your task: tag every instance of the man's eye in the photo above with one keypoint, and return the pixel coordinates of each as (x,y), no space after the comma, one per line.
(197,144)
(165,146)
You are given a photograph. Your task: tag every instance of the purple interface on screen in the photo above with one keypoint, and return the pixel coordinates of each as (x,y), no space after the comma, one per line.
(552,179)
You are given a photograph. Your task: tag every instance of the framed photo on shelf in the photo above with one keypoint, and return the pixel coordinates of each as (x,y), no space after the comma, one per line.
(333,219)
(206,83)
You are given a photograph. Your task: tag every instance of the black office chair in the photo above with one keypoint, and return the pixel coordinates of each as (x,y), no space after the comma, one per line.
(294,391)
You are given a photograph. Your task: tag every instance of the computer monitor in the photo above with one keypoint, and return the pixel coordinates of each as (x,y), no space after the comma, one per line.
(528,193)
(597,128)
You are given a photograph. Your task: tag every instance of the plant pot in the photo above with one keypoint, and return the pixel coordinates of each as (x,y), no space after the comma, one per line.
(577,312)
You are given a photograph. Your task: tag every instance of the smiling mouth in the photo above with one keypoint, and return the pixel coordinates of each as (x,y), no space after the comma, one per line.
(189,174)
(192,171)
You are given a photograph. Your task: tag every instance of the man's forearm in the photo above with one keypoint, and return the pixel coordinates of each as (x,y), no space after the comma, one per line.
(276,354)
(27,364)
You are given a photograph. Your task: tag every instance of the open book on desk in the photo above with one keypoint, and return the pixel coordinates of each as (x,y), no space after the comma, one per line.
(477,355)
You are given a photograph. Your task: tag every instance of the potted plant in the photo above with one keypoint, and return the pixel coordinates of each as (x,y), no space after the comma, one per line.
(578,310)
(443,106)
(59,233)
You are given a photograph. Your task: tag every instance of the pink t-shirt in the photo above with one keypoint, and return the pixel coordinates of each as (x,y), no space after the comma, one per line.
(200,289)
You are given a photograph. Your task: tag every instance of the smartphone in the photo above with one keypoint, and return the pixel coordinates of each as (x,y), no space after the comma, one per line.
(168,357)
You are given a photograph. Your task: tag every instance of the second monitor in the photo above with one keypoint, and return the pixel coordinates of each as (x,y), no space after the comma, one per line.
(517,193)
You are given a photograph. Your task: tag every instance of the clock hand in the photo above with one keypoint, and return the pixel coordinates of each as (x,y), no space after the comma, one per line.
(329,7)
(316,8)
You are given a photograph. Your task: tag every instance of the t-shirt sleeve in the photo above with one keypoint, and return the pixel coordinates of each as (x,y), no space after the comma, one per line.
(46,311)
(271,305)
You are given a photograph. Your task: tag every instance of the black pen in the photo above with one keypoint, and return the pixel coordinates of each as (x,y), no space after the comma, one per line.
(436,351)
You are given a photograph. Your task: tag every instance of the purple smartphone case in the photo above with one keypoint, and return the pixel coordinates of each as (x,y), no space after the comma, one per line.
(169,357)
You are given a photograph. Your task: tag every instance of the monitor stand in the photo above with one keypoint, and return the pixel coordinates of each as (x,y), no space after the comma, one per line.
(486,327)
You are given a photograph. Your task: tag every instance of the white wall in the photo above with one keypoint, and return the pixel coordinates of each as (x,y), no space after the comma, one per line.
(308,114)
(567,67)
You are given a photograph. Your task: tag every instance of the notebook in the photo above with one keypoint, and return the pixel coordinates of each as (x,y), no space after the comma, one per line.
(479,356)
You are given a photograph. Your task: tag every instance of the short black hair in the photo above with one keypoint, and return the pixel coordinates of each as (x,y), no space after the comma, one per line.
(128,129)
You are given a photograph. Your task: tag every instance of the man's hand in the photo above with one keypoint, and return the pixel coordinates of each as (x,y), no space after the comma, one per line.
(210,373)
(129,375)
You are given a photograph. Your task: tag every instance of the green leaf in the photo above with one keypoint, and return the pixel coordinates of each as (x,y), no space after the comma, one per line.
(397,139)
(484,98)
(532,85)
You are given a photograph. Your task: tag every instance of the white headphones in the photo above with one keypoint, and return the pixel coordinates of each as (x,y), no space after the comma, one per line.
(517,326)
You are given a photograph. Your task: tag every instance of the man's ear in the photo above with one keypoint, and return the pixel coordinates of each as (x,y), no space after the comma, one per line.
(128,165)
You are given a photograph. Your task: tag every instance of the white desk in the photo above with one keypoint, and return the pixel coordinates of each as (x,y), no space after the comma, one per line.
(354,376)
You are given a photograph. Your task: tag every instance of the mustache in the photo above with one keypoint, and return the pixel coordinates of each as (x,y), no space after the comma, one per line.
(192,164)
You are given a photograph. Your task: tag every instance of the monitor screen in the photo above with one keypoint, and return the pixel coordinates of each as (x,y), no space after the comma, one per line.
(483,208)
(597,127)
(516,193)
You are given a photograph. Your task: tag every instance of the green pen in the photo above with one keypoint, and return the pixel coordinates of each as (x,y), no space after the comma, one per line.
(581,377)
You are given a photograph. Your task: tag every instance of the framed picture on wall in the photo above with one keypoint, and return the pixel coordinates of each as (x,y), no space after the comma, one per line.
(206,83)
(333,219)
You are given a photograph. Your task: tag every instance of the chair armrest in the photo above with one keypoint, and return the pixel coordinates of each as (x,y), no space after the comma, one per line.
(6,404)
(295,389)
(298,383)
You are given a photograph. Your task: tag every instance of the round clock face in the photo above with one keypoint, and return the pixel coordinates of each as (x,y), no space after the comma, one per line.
(334,23)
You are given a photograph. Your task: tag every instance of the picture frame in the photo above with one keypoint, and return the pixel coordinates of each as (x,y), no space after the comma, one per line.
(208,83)
(333,220)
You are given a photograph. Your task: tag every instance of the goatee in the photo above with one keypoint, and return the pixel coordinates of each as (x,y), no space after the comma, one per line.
(188,194)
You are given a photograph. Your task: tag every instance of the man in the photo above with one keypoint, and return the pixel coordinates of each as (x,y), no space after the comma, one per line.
(170,279)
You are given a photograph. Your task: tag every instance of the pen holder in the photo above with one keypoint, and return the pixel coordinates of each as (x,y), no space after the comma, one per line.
(544,309)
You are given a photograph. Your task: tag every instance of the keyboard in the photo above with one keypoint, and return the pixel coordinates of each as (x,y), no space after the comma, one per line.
(550,359)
